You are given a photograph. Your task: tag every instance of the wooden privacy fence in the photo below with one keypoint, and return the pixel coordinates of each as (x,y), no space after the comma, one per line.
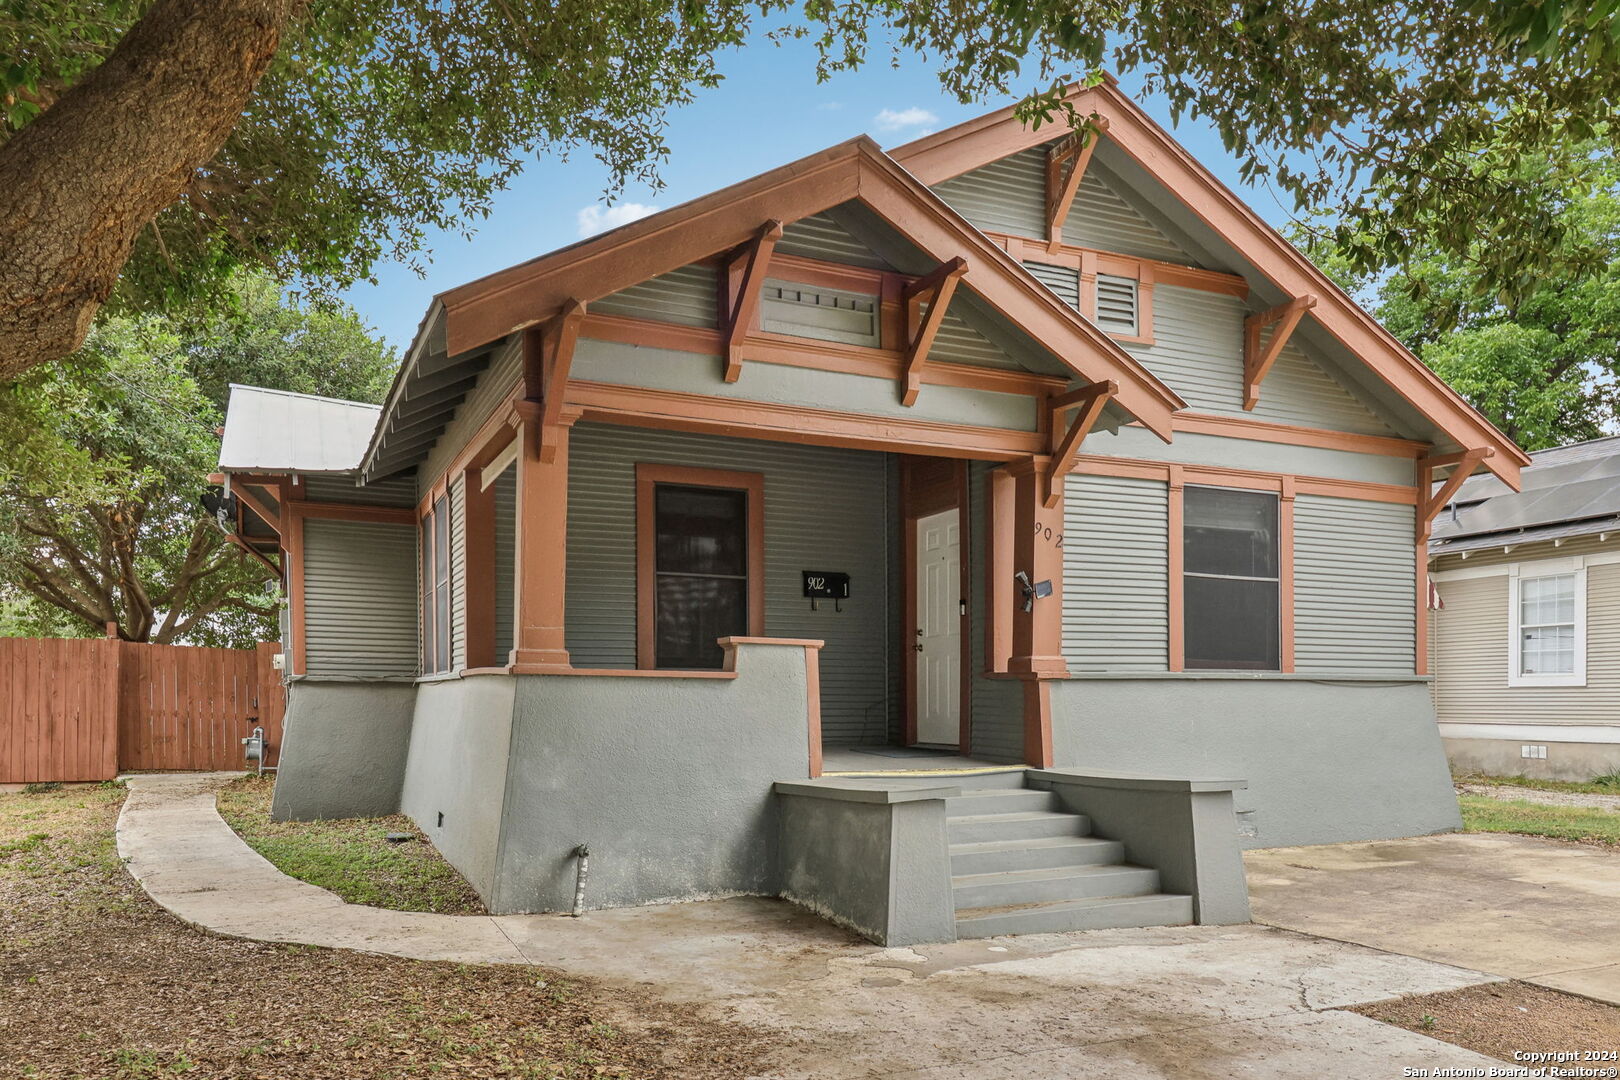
(83,709)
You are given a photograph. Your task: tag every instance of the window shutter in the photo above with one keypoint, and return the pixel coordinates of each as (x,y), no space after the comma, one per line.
(1117,305)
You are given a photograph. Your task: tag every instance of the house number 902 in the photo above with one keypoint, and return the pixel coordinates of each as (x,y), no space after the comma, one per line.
(1044,532)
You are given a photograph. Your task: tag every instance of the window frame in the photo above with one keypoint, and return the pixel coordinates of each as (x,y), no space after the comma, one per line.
(1282,539)
(435,520)
(1515,670)
(649,477)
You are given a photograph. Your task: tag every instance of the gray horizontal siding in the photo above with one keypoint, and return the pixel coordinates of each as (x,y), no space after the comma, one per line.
(996,706)
(1063,280)
(1004,196)
(1354,586)
(360,596)
(1470,649)
(395,491)
(960,343)
(1115,574)
(1104,218)
(688,296)
(505,561)
(458,572)
(1198,351)
(820,237)
(491,389)
(825,509)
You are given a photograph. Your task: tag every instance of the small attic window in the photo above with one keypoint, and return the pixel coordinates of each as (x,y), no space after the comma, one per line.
(825,314)
(1117,309)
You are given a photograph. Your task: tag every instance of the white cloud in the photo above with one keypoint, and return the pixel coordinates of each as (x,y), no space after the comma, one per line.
(598,218)
(892,120)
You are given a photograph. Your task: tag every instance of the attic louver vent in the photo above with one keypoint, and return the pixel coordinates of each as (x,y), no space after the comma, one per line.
(804,311)
(1116,304)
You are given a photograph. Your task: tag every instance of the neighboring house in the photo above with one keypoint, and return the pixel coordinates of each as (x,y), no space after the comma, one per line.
(1526,645)
(1032,452)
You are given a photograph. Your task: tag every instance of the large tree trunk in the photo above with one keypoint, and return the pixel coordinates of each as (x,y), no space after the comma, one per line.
(80,182)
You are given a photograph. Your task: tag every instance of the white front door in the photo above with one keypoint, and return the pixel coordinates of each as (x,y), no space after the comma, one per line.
(939,628)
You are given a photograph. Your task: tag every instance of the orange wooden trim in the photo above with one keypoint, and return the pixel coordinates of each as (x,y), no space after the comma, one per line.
(252,551)
(680,411)
(1430,504)
(938,288)
(564,336)
(1061,189)
(908,612)
(1025,249)
(1237,427)
(1257,361)
(1038,723)
(812,708)
(540,601)
(1285,574)
(964,666)
(648,477)
(294,539)
(754,639)
(988,138)
(999,568)
(381,515)
(822,274)
(1176,617)
(259,508)
(744,305)
(1215,476)
(769,348)
(1066,448)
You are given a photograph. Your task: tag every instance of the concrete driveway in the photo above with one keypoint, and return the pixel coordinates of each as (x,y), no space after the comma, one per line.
(1248,1001)
(1542,911)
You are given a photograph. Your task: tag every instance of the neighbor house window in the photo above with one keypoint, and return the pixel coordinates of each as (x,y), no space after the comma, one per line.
(699,563)
(1230,579)
(1547,614)
(436,587)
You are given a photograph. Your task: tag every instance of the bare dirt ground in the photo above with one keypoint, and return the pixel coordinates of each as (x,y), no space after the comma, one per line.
(1500,1019)
(1536,795)
(96,981)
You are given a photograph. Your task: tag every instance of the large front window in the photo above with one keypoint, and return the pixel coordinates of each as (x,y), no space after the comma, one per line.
(1230,584)
(700,563)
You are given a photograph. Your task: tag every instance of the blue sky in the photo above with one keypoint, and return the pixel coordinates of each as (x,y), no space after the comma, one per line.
(727,135)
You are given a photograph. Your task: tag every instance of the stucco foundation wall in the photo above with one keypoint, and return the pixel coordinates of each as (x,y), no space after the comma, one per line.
(1578,761)
(343,749)
(1325,761)
(668,780)
(460,739)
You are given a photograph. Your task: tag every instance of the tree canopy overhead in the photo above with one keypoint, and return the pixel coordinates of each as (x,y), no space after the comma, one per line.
(315,137)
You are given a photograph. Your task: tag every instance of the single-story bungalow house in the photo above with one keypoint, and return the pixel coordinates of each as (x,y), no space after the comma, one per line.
(1525,644)
(986,535)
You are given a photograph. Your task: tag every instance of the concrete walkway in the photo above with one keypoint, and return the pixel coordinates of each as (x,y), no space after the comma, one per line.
(1166,1002)
(1539,910)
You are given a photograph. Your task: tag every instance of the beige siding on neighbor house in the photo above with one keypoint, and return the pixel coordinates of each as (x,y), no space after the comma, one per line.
(1469,644)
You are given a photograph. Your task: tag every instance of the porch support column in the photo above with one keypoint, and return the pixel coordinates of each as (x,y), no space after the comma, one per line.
(1037,633)
(542,550)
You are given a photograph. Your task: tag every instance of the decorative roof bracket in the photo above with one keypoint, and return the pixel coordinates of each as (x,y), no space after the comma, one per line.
(935,289)
(1257,361)
(1090,402)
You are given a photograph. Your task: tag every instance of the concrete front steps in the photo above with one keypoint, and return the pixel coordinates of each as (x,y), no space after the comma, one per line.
(1021,864)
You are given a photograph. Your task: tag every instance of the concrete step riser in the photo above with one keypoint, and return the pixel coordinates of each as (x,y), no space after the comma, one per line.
(1121,881)
(1010,801)
(1154,911)
(977,832)
(1093,853)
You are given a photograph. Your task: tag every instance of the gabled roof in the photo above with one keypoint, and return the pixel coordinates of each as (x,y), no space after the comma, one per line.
(1568,491)
(988,138)
(467,319)
(279,431)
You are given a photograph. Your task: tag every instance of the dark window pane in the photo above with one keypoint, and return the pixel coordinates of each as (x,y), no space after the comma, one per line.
(1231,624)
(693,614)
(441,540)
(702,530)
(1230,532)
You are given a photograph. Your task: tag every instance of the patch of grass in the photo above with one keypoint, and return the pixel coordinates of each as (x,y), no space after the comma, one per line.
(42,788)
(1589,825)
(97,981)
(1608,784)
(349,857)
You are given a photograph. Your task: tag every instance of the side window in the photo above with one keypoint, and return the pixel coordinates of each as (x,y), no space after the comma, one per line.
(1547,646)
(435,556)
(1230,580)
